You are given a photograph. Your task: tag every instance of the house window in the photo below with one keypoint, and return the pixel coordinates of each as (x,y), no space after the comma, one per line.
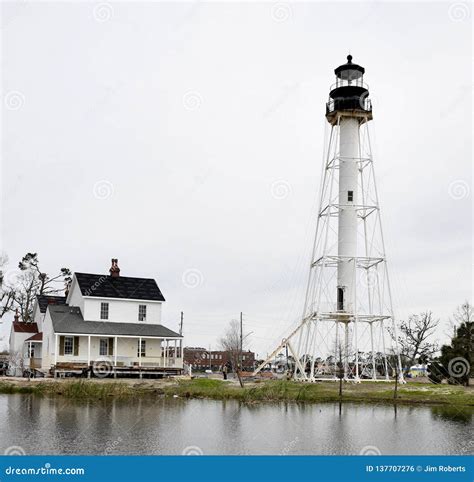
(350,196)
(68,345)
(104,347)
(141,349)
(104,311)
(141,312)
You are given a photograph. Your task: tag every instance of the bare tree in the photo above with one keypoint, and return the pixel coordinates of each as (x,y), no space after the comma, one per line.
(7,292)
(463,314)
(33,282)
(414,335)
(232,343)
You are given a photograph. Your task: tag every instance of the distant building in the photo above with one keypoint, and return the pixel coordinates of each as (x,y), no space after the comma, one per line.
(202,359)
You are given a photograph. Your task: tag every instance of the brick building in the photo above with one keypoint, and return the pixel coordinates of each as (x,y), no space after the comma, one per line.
(202,359)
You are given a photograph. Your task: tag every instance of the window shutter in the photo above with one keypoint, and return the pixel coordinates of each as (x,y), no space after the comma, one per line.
(111,346)
(61,345)
(76,345)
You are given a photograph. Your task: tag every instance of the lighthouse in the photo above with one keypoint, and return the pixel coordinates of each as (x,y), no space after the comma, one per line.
(348,322)
(349,107)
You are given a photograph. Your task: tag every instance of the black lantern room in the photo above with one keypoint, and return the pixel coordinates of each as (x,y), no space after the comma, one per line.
(349,94)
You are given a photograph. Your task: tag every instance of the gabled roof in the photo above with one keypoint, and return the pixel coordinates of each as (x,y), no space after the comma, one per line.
(68,319)
(22,327)
(105,286)
(36,337)
(45,300)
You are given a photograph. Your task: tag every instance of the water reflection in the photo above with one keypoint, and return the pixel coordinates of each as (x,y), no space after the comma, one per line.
(453,414)
(168,426)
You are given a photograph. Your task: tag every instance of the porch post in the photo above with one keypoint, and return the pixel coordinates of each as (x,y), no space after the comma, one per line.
(89,356)
(140,356)
(175,350)
(115,356)
(140,351)
(56,348)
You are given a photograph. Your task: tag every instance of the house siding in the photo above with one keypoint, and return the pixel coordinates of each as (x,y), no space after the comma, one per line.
(122,311)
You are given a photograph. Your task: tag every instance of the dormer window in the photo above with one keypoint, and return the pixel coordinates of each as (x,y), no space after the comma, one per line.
(141,312)
(104,311)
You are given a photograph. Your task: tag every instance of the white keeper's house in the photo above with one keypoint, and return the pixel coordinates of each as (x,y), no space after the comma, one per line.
(106,325)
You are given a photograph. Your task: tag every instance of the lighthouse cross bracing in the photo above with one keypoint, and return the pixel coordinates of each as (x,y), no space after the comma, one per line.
(348,324)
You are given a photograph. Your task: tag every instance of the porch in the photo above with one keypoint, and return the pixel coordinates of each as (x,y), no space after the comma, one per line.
(103,356)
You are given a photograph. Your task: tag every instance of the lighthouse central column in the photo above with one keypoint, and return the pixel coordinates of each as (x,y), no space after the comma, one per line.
(347,222)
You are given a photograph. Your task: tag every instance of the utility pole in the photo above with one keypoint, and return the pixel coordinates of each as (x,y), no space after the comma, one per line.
(181,325)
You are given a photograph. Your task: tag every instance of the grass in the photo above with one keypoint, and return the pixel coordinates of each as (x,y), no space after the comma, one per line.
(78,389)
(288,391)
(265,391)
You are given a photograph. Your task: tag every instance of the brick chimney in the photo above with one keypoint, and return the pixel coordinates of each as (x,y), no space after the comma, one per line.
(16,318)
(114,269)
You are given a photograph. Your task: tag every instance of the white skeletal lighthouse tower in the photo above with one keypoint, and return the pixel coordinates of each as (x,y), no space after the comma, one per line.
(348,325)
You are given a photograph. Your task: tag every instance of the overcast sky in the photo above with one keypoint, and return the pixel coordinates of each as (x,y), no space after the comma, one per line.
(186,140)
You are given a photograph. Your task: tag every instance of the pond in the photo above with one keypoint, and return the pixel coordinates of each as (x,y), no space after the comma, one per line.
(57,425)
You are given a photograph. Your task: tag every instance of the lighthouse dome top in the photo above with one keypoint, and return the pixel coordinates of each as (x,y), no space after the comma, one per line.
(349,71)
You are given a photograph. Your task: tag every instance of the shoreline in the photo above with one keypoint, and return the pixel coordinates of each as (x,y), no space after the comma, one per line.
(412,393)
